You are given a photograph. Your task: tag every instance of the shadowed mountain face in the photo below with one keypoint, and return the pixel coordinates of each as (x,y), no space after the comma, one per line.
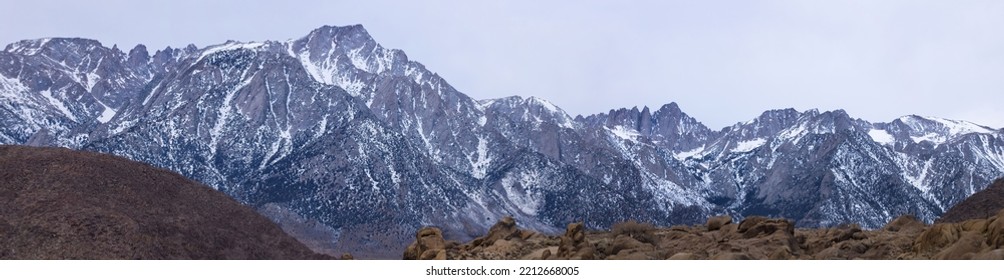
(351,146)
(61,204)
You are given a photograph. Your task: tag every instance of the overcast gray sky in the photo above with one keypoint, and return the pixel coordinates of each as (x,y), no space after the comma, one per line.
(722,61)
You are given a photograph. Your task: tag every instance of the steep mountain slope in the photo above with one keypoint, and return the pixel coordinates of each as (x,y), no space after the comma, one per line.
(456,132)
(64,204)
(248,119)
(824,169)
(615,157)
(819,170)
(351,146)
(55,90)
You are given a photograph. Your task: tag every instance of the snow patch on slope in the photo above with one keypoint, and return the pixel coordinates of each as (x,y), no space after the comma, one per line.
(957,128)
(671,193)
(520,188)
(942,130)
(793,134)
(358,60)
(480,165)
(563,119)
(29,47)
(746,146)
(623,133)
(935,138)
(58,104)
(13,92)
(92,79)
(484,104)
(544,103)
(229,47)
(10,87)
(325,69)
(689,154)
(224,115)
(881,136)
(106,114)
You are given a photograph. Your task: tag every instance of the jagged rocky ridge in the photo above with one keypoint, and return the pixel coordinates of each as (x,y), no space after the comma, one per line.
(352,146)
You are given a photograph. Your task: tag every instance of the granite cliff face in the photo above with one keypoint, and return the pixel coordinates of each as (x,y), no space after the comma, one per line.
(352,146)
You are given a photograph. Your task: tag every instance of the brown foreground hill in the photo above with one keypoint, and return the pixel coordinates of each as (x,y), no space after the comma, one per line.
(980,205)
(62,204)
(974,229)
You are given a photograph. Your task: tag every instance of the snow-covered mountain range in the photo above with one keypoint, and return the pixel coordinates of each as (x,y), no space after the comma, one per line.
(351,146)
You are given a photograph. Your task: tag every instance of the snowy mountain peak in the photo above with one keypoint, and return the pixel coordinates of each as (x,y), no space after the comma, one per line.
(935,130)
(670,107)
(669,126)
(786,113)
(138,55)
(229,46)
(349,58)
(27,47)
(55,46)
(531,109)
(544,103)
(954,127)
(767,125)
(331,42)
(350,33)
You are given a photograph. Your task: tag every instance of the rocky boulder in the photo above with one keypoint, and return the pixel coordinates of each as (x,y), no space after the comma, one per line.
(573,244)
(936,237)
(995,231)
(904,223)
(505,229)
(716,223)
(759,226)
(429,245)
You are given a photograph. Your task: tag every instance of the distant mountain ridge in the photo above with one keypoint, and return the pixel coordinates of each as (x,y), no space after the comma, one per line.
(359,146)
